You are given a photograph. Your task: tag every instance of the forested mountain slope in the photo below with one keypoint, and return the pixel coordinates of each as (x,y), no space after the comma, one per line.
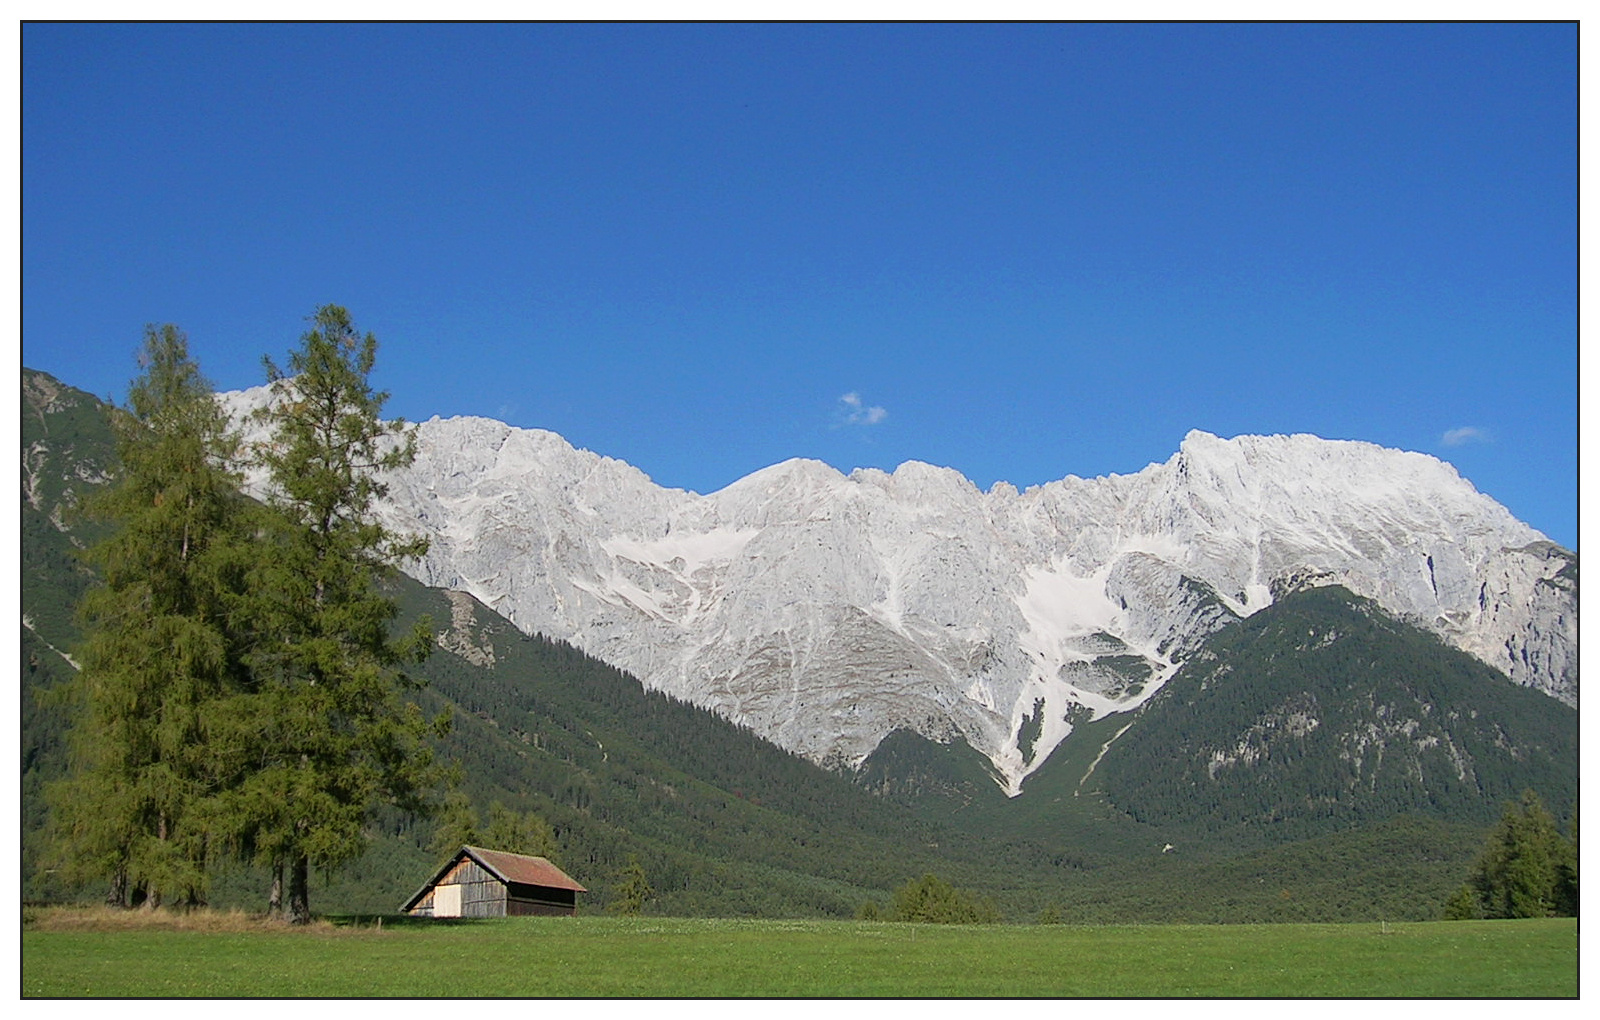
(1317,715)
(722,820)
(1323,712)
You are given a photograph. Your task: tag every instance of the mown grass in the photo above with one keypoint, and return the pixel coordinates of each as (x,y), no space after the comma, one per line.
(607,956)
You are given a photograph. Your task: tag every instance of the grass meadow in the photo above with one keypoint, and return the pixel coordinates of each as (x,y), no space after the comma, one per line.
(68,953)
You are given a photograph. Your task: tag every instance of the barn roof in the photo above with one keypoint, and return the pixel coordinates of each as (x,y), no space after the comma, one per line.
(507,867)
(521,868)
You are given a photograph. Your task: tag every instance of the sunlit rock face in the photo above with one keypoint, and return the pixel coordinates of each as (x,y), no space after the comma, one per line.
(825,610)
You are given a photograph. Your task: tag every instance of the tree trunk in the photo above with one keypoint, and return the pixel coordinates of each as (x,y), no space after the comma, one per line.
(117,895)
(275,897)
(299,899)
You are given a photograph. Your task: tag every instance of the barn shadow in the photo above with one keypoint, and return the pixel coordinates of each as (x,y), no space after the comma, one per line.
(401,921)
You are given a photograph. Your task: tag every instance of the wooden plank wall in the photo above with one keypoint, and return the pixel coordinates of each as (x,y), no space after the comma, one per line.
(424,907)
(482,895)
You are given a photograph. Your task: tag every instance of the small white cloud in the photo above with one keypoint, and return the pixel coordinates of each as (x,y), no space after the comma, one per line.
(853,412)
(1464,435)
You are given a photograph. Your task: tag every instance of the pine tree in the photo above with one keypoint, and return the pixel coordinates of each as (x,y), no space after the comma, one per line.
(457,826)
(1566,891)
(1526,869)
(324,735)
(160,650)
(633,891)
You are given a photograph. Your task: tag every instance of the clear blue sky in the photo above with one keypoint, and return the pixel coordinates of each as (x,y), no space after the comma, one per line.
(1018,251)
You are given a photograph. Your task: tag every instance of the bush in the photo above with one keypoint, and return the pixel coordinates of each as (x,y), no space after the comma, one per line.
(1463,906)
(933,900)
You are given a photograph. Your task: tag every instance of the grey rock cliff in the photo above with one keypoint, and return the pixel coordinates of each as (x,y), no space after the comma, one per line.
(825,610)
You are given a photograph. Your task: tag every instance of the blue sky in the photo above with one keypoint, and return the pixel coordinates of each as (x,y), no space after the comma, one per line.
(1019,251)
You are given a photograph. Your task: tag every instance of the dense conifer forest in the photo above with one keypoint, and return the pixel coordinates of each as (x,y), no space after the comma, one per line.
(1322,713)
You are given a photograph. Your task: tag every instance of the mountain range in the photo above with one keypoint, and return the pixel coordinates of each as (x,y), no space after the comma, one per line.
(1283,747)
(826,611)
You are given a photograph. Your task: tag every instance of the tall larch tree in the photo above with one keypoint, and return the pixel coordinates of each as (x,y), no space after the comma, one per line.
(160,649)
(326,735)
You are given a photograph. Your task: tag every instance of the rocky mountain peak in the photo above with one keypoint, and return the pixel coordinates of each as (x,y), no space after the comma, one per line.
(825,610)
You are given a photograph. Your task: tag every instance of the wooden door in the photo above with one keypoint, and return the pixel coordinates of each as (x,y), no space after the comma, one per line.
(447,901)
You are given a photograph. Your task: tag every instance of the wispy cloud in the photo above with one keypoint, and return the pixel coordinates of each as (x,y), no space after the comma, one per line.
(853,412)
(1464,435)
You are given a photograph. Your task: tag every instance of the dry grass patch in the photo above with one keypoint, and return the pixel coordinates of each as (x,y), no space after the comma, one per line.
(109,919)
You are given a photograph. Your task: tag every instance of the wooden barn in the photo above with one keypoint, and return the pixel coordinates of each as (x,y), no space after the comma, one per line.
(491,883)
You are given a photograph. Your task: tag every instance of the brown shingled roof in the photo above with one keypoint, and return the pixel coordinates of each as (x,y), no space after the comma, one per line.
(523,869)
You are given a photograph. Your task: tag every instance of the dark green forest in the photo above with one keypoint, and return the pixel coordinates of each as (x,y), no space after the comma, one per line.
(1322,713)
(1317,826)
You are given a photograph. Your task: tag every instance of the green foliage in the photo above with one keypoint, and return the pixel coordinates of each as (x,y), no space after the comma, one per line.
(911,769)
(517,832)
(1028,732)
(633,890)
(1322,712)
(931,899)
(162,648)
(1462,905)
(1526,869)
(68,453)
(722,821)
(238,691)
(1566,892)
(323,736)
(1400,869)
(456,826)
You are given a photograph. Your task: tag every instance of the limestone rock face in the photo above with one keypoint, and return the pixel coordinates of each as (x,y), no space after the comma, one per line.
(824,611)
(462,638)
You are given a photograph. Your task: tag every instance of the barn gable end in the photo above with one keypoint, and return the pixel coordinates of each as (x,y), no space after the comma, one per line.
(492,883)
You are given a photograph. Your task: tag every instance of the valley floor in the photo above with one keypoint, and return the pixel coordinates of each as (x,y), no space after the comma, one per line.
(673,957)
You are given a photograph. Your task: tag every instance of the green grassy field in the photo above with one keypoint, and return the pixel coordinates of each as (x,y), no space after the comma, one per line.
(607,956)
